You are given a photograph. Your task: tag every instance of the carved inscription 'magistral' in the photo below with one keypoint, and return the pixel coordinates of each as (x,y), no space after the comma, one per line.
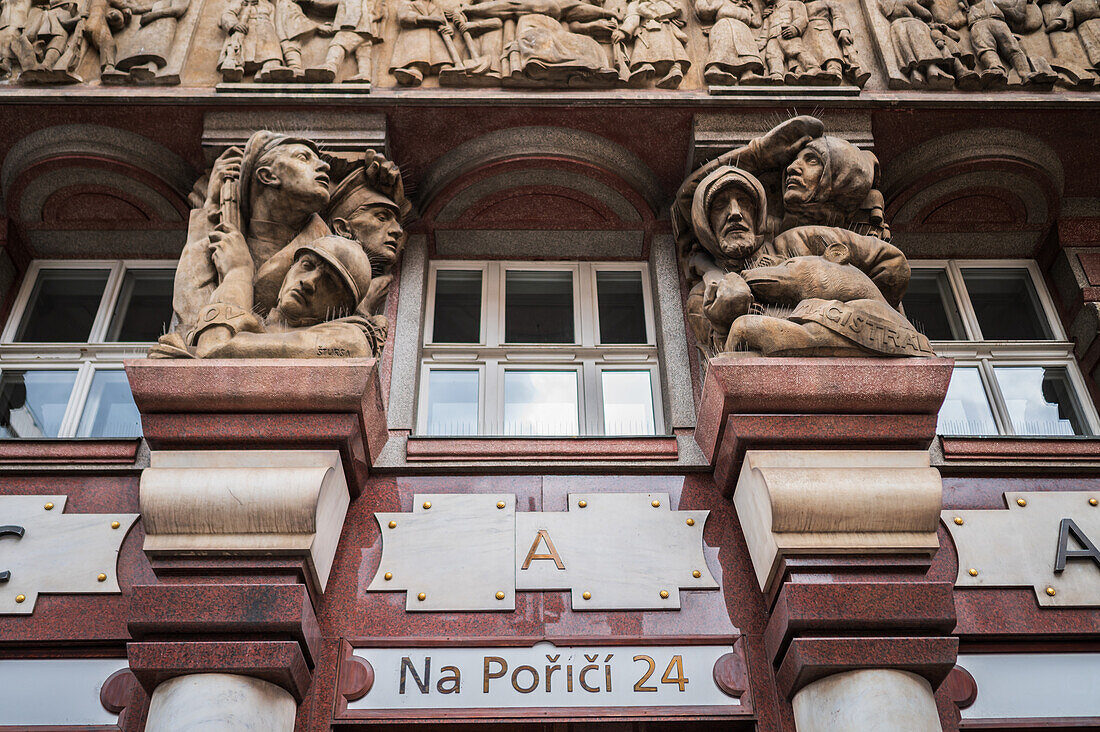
(623,551)
(1045,540)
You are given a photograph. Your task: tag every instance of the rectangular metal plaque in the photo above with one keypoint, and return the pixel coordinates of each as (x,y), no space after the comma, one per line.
(545,677)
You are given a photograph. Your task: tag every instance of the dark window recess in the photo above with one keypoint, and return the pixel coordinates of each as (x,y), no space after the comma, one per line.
(930,306)
(1006,305)
(144,309)
(457,315)
(538,307)
(622,307)
(63,306)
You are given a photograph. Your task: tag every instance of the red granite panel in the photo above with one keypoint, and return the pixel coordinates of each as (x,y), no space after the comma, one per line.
(1047,449)
(280,662)
(579,448)
(68,452)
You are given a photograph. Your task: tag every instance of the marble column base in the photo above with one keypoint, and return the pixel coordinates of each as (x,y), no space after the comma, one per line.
(220,703)
(879,699)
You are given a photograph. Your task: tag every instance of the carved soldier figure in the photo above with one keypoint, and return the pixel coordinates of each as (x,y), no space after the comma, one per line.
(252,44)
(356,26)
(918,55)
(419,50)
(104,18)
(55,28)
(961,59)
(13,18)
(734,55)
(146,50)
(995,43)
(657,29)
(827,36)
(293,27)
(785,51)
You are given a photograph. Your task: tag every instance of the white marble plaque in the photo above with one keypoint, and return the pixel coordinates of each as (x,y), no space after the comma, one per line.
(1019,547)
(543,676)
(611,551)
(56,552)
(1034,685)
(54,692)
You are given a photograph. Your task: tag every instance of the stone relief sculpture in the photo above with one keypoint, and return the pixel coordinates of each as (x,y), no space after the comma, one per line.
(990,44)
(280,263)
(134,42)
(786,252)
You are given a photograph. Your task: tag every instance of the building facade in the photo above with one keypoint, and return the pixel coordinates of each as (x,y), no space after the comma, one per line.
(547,364)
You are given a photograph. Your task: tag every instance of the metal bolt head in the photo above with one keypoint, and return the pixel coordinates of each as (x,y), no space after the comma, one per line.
(691,522)
(696,574)
(48,506)
(972,572)
(393,524)
(586,595)
(387,576)
(115,524)
(664,594)
(656,504)
(582,504)
(101,577)
(1021,502)
(959,521)
(501,504)
(1051,591)
(500,595)
(427,505)
(1093,501)
(421,597)
(20,598)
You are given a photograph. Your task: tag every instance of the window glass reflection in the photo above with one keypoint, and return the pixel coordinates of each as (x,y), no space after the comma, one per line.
(109,410)
(627,403)
(457,314)
(966,409)
(62,306)
(452,402)
(32,403)
(621,307)
(1040,400)
(540,403)
(538,307)
(930,306)
(1006,304)
(144,308)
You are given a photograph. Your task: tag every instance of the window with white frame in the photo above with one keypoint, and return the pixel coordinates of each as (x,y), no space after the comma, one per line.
(61,352)
(1014,368)
(539,349)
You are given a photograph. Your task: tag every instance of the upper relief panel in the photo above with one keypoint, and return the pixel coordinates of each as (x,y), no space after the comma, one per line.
(824,46)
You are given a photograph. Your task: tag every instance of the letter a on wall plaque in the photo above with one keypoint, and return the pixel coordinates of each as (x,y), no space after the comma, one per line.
(44,549)
(611,551)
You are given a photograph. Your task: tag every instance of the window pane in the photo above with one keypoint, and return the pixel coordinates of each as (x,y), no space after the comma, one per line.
(627,403)
(144,308)
(1006,304)
(32,403)
(622,307)
(540,403)
(452,402)
(1040,400)
(538,307)
(110,410)
(457,315)
(62,306)
(930,306)
(966,409)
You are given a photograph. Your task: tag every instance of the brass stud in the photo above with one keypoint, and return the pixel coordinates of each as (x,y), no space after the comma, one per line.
(20,598)
(1051,591)
(1093,501)
(393,524)
(696,574)
(421,597)
(500,595)
(656,504)
(586,595)
(387,576)
(501,504)
(49,506)
(1021,502)
(664,594)
(691,522)
(427,505)
(972,572)
(959,521)
(582,504)
(101,577)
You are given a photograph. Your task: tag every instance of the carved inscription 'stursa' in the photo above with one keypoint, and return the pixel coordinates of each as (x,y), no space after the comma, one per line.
(785,249)
(281,263)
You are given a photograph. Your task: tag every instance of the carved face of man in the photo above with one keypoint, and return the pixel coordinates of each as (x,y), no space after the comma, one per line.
(312,292)
(731,215)
(299,172)
(378,230)
(803,178)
